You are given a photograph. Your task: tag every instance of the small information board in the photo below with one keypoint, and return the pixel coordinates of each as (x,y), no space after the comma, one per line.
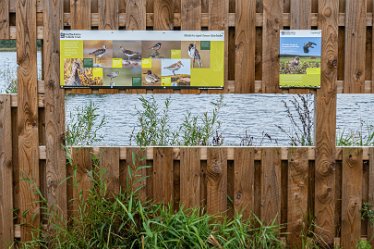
(142,59)
(300,59)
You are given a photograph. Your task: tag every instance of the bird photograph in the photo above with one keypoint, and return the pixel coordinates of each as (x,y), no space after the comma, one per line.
(308,46)
(194,54)
(130,54)
(174,67)
(112,76)
(100,51)
(73,78)
(159,49)
(151,78)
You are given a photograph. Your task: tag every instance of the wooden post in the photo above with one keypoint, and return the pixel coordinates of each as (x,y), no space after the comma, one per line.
(325,119)
(272,23)
(54,110)
(351,197)
(190,177)
(355,41)
(28,135)
(6,178)
(4,19)
(244,180)
(245,40)
(162,175)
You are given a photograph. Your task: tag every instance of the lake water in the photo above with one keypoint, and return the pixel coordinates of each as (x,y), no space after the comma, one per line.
(255,114)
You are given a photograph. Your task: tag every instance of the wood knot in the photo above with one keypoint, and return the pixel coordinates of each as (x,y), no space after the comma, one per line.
(239,195)
(51,84)
(333,63)
(358,75)
(327,12)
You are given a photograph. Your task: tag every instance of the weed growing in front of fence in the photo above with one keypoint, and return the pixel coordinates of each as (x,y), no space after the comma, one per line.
(363,137)
(154,128)
(301,131)
(100,219)
(83,128)
(8,74)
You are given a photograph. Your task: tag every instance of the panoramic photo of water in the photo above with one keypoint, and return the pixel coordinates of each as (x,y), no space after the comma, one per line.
(255,115)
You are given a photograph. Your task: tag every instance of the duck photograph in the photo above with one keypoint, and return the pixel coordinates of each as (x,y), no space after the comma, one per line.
(100,51)
(152,76)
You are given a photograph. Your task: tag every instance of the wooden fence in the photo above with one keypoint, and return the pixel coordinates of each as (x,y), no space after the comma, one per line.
(32,148)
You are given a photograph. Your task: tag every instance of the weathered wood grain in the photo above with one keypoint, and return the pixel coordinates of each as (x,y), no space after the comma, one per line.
(351,197)
(80,11)
(244,180)
(4,19)
(109,14)
(355,36)
(54,110)
(245,39)
(6,177)
(190,177)
(216,181)
(109,161)
(149,6)
(371,194)
(297,208)
(27,126)
(136,159)
(325,108)
(270,186)
(81,167)
(272,20)
(163,175)
(164,14)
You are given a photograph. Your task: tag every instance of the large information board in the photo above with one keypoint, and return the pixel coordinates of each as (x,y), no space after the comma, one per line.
(142,59)
(300,58)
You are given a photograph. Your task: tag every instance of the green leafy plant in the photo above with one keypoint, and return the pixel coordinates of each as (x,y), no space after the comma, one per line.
(363,137)
(83,128)
(154,127)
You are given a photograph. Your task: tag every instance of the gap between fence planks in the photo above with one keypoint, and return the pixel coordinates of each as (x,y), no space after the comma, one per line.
(6,178)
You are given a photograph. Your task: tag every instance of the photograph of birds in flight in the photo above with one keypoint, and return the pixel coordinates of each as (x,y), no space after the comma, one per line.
(300,59)
(175,59)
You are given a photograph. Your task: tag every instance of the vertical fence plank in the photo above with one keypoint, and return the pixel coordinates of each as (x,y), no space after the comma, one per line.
(28,137)
(371,194)
(190,175)
(351,197)
(6,179)
(270,185)
(355,38)
(190,20)
(272,23)
(325,108)
(162,174)
(245,41)
(109,160)
(4,19)
(109,14)
(163,15)
(54,109)
(217,180)
(80,14)
(244,180)
(297,209)
(136,159)
(218,20)
(136,15)
(82,164)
